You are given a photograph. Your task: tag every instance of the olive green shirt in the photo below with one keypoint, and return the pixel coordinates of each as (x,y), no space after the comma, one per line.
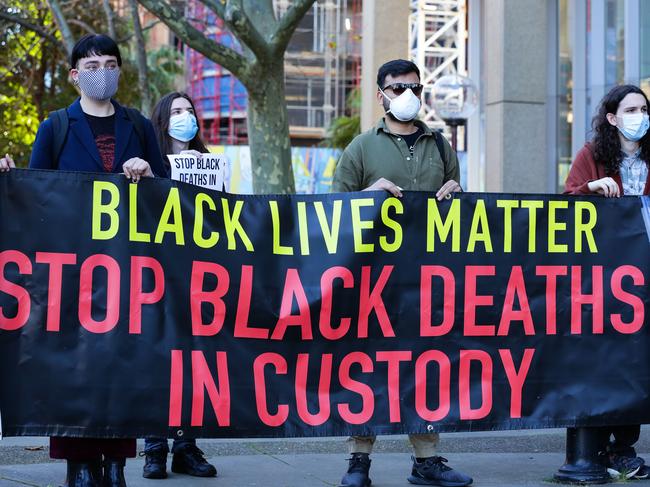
(378,153)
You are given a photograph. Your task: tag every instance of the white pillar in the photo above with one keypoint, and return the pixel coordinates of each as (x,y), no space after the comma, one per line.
(385,37)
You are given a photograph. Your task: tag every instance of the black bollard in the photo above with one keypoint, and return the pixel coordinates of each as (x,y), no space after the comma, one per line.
(583,462)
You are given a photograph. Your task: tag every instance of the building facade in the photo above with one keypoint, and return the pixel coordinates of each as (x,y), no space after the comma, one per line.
(541,67)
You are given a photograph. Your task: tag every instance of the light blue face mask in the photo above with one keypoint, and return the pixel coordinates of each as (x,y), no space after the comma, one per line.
(634,126)
(183,127)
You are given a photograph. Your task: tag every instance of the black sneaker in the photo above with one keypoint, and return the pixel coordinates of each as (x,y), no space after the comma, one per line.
(189,459)
(624,467)
(643,473)
(358,471)
(155,463)
(433,471)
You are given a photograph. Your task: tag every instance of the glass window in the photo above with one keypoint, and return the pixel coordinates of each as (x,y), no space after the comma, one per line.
(614,43)
(644,54)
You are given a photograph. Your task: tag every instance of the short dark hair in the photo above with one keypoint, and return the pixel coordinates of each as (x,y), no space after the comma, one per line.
(395,68)
(94,45)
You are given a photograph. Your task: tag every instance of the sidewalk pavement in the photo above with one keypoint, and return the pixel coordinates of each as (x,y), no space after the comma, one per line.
(495,459)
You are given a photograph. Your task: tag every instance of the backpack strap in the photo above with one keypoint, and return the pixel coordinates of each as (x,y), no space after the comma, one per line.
(60,125)
(136,118)
(441,146)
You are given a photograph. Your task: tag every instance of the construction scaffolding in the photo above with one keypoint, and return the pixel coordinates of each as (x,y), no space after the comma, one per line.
(322,65)
(220,98)
(438,45)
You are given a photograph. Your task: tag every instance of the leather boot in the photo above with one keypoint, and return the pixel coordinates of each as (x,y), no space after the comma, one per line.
(84,474)
(155,463)
(358,471)
(114,472)
(190,460)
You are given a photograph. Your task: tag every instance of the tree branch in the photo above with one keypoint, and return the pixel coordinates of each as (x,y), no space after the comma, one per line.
(240,24)
(64,28)
(83,25)
(288,24)
(145,28)
(217,7)
(226,57)
(110,18)
(141,55)
(35,28)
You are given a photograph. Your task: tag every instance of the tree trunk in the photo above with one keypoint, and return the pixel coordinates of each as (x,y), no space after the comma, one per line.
(141,56)
(110,19)
(62,23)
(268,133)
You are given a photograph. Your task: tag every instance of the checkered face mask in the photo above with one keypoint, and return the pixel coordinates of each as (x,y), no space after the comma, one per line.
(100,84)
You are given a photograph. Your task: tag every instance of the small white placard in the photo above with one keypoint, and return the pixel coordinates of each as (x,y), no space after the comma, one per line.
(207,171)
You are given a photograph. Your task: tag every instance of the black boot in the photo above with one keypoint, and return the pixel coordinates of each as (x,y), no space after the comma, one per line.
(358,471)
(114,472)
(84,474)
(189,459)
(155,463)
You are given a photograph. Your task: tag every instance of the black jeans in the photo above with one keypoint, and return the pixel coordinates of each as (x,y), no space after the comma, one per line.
(624,439)
(155,443)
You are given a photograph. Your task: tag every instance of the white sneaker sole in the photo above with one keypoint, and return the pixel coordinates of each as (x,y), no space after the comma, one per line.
(628,474)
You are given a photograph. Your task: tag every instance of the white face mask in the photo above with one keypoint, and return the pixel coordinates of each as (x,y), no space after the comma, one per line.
(404,107)
(635,126)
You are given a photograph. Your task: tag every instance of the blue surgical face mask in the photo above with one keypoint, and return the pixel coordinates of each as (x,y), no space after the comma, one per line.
(634,126)
(183,127)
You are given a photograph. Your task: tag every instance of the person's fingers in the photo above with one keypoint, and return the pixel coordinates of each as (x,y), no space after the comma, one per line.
(6,163)
(394,190)
(391,188)
(446,190)
(613,188)
(136,171)
(385,185)
(604,187)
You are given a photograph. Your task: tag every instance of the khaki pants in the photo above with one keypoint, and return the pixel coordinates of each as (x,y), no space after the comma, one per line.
(424,445)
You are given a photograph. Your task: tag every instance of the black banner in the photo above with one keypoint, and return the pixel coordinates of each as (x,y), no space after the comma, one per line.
(162,308)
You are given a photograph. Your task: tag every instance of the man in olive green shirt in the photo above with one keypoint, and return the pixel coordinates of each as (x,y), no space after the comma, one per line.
(400,153)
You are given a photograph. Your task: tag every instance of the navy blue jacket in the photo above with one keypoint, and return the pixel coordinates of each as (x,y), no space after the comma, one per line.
(79,153)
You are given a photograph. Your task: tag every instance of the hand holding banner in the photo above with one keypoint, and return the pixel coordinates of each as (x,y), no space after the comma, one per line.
(145,309)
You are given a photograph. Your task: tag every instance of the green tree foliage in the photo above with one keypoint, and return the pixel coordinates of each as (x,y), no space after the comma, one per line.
(30,78)
(346,127)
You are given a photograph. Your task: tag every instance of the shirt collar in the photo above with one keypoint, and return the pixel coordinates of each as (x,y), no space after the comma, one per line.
(381,126)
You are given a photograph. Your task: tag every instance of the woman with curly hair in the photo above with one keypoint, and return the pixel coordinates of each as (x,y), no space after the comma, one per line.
(613,164)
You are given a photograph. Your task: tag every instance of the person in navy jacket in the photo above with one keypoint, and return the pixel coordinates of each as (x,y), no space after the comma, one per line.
(101,136)
(82,151)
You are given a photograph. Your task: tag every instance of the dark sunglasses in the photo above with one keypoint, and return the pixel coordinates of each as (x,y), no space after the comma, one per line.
(399,88)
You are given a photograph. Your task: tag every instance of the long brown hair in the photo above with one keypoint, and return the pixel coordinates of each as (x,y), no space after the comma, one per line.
(605,143)
(160,120)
